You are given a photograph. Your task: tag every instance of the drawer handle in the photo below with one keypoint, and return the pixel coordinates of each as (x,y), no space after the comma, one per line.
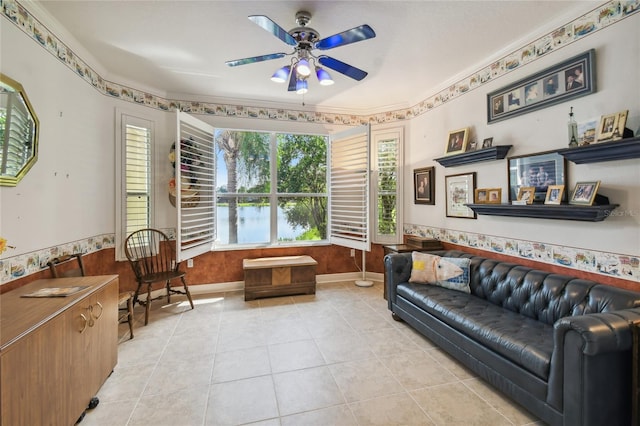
(90,319)
(101,310)
(84,327)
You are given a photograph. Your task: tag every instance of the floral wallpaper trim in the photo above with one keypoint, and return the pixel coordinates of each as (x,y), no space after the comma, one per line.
(601,17)
(15,267)
(621,266)
(12,268)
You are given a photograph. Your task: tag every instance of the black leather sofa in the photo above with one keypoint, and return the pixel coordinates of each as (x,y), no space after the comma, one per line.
(559,346)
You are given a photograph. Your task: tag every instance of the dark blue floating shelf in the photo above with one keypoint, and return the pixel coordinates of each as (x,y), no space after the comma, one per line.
(623,149)
(497,152)
(547,211)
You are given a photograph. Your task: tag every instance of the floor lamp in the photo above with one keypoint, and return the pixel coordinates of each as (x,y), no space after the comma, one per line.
(364,282)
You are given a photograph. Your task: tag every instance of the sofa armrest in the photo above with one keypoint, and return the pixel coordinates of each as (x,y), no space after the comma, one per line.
(599,333)
(397,269)
(590,366)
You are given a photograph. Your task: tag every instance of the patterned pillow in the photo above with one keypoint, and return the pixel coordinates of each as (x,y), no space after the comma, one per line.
(447,272)
(459,282)
(424,268)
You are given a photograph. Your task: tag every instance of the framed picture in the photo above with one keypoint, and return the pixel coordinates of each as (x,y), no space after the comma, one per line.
(460,190)
(535,170)
(587,131)
(487,143)
(488,196)
(554,194)
(584,193)
(569,79)
(526,193)
(612,126)
(424,187)
(457,141)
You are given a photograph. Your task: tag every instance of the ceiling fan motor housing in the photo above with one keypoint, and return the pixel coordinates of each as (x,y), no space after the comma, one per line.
(305,36)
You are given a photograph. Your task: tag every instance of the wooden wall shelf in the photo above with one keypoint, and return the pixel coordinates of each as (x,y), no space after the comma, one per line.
(623,149)
(497,152)
(546,211)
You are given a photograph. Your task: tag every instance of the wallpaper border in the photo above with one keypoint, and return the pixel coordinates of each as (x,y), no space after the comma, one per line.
(626,267)
(598,18)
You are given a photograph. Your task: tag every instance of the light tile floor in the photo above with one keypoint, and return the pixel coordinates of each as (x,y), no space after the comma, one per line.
(336,358)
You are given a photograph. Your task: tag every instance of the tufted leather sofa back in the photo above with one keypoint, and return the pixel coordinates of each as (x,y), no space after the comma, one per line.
(541,295)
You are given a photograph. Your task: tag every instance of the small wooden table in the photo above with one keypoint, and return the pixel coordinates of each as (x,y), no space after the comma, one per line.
(279,276)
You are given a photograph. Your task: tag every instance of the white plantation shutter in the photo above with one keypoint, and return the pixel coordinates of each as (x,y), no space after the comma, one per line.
(19,127)
(137,177)
(349,189)
(387,189)
(195,187)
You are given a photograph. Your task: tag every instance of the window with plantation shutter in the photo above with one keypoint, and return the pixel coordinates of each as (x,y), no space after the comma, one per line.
(195,187)
(387,186)
(349,189)
(135,173)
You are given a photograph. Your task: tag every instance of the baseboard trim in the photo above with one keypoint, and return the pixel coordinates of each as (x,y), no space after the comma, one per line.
(239,285)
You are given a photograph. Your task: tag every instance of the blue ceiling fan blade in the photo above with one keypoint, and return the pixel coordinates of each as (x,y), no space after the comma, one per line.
(341,67)
(255,59)
(275,29)
(293,79)
(363,32)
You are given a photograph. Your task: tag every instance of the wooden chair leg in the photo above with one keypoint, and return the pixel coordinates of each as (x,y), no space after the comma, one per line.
(187,292)
(130,316)
(147,305)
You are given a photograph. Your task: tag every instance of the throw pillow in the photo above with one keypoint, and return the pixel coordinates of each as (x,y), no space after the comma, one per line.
(447,272)
(459,281)
(424,267)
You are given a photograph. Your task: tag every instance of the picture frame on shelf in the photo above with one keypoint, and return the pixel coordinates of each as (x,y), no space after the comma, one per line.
(584,193)
(536,170)
(459,191)
(526,194)
(611,126)
(487,142)
(554,194)
(587,131)
(457,141)
(566,80)
(488,195)
(424,185)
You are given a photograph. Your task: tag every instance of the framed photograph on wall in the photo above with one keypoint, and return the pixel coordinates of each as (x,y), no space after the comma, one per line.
(569,79)
(535,170)
(424,187)
(457,141)
(460,190)
(584,193)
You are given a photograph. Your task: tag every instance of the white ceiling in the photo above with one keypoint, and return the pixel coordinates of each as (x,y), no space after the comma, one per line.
(179,47)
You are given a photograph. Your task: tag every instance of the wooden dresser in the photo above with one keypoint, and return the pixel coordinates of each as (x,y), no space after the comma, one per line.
(56,352)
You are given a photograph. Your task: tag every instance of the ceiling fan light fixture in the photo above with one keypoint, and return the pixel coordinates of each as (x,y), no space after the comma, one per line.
(303,68)
(324,78)
(281,75)
(302,87)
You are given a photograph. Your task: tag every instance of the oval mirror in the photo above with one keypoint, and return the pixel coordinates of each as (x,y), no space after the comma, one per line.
(18,132)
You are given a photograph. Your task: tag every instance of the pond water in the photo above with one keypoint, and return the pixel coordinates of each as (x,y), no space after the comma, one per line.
(253,225)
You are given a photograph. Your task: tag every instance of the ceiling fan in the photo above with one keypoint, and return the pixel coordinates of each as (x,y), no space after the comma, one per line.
(304,41)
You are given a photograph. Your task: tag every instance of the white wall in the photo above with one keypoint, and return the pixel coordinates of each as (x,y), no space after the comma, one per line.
(618,88)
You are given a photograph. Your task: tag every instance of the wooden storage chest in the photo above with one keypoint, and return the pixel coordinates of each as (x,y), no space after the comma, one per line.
(279,276)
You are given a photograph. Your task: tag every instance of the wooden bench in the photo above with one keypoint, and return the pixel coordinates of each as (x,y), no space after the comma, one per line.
(279,276)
